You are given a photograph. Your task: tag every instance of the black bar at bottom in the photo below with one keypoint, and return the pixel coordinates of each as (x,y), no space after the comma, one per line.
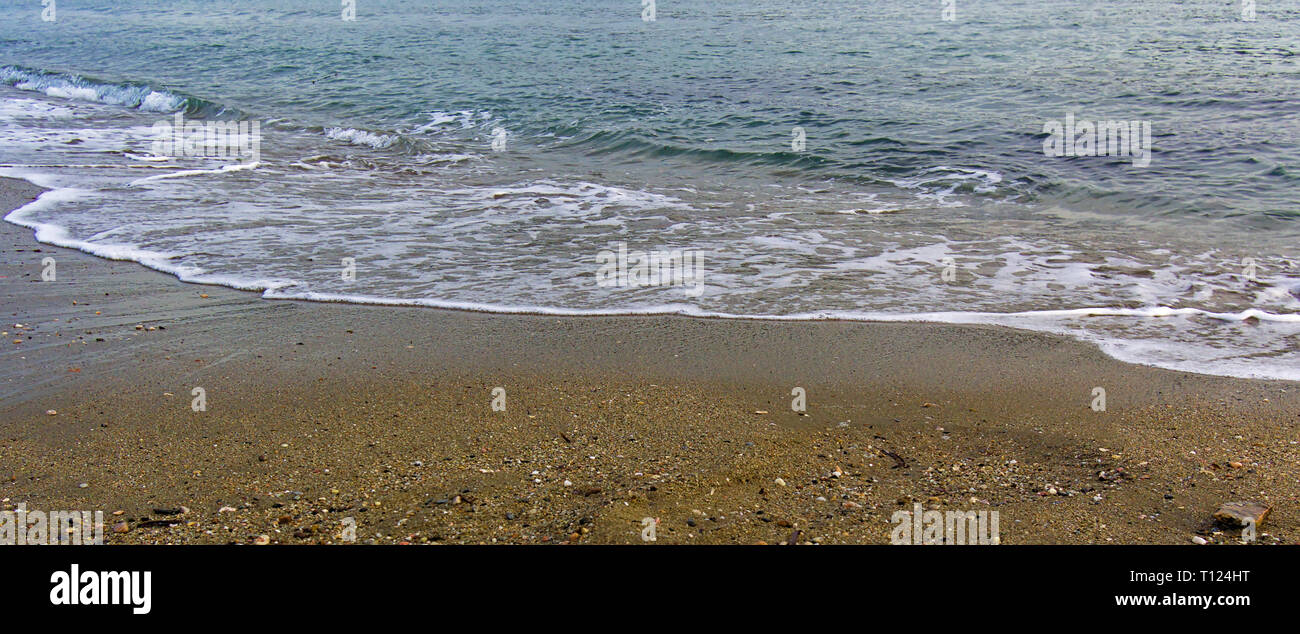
(309,582)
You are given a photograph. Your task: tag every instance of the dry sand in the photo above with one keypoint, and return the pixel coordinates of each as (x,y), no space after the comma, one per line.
(321,412)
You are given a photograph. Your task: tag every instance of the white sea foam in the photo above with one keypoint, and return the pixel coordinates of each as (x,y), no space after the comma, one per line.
(32,108)
(224,169)
(147,157)
(463,119)
(940,183)
(160,102)
(361,137)
(59,236)
(160,261)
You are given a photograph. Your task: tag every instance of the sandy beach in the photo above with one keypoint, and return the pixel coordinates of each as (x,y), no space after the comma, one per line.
(318,412)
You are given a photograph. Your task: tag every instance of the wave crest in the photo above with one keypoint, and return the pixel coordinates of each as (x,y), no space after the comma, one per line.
(69,86)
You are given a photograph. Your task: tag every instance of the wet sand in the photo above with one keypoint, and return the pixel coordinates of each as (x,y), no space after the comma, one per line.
(320,412)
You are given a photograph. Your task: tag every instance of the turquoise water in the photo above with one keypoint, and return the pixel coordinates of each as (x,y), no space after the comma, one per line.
(921,190)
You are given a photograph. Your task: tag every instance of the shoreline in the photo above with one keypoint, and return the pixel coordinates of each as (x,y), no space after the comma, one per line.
(318,411)
(268,291)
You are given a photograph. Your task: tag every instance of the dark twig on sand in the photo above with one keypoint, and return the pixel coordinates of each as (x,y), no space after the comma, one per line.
(897,458)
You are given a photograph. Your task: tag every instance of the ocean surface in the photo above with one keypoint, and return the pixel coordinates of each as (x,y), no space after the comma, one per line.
(828,159)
